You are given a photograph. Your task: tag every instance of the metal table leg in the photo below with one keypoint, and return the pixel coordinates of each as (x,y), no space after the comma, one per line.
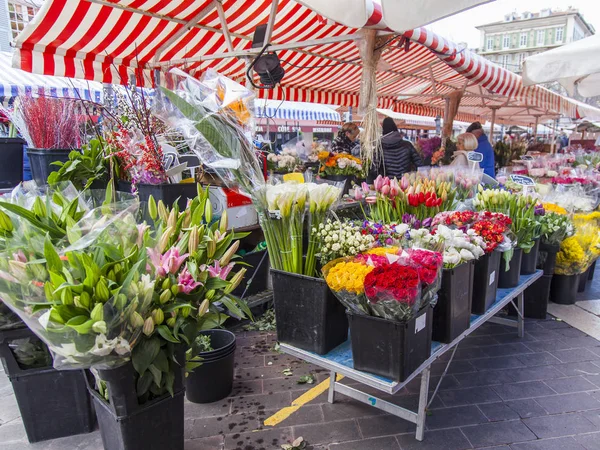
(331,393)
(521,314)
(421,414)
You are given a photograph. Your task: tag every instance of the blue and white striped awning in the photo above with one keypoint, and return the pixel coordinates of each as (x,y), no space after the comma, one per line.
(15,82)
(276,109)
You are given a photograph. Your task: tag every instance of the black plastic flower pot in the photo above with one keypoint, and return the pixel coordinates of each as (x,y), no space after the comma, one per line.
(529,260)
(583,279)
(510,278)
(40,161)
(53,403)
(485,282)
(564,289)
(11,170)
(168,193)
(308,315)
(390,349)
(535,299)
(127,425)
(452,312)
(257,274)
(213,380)
(547,258)
(591,271)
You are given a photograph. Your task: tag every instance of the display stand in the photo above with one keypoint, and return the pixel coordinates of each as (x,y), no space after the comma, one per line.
(339,360)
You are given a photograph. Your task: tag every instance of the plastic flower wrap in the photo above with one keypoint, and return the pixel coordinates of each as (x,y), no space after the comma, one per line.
(572,199)
(459,246)
(83,289)
(346,279)
(287,161)
(570,260)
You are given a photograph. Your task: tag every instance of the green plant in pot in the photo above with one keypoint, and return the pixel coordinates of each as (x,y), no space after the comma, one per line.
(84,169)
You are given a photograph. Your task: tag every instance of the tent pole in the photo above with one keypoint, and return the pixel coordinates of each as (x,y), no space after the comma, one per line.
(452,102)
(493,126)
(537,121)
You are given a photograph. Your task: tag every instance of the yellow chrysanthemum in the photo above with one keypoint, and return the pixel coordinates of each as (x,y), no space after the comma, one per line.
(551,207)
(382,251)
(571,257)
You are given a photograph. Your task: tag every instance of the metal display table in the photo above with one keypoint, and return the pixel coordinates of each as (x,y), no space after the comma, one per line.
(339,360)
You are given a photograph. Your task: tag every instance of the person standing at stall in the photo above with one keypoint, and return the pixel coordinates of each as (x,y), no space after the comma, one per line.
(347,139)
(485,148)
(398,155)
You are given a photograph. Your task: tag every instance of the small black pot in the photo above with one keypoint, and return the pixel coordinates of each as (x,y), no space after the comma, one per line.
(583,279)
(53,403)
(308,315)
(168,193)
(510,278)
(213,380)
(529,260)
(40,161)
(11,169)
(591,271)
(485,282)
(535,299)
(564,289)
(547,258)
(127,425)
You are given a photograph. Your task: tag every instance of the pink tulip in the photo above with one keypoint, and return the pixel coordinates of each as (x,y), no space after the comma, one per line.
(386,181)
(358,194)
(365,188)
(186,282)
(385,190)
(404,183)
(393,191)
(20,256)
(371,200)
(378,183)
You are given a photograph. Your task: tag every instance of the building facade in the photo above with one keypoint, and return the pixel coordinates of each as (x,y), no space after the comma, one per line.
(518,36)
(14,16)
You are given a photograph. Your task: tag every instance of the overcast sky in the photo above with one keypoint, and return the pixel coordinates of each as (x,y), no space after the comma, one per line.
(461,27)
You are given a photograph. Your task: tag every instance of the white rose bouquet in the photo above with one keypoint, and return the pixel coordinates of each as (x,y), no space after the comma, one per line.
(339,239)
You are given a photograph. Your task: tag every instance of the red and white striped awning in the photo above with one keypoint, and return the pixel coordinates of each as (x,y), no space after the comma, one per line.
(109,40)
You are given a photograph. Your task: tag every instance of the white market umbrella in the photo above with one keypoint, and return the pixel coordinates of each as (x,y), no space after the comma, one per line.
(397,15)
(575,66)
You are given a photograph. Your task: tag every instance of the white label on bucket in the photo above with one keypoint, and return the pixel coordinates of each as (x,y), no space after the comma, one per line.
(420,323)
(492,277)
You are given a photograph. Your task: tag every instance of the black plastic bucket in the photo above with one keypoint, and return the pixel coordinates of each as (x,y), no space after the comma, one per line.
(510,278)
(168,193)
(40,161)
(592,270)
(485,282)
(535,299)
(308,315)
(127,425)
(547,258)
(452,312)
(53,403)
(390,349)
(564,289)
(583,279)
(529,260)
(11,169)
(213,380)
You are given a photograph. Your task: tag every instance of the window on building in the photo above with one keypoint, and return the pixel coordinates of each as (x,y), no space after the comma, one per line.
(559,34)
(20,16)
(523,40)
(506,41)
(541,37)
(504,61)
(521,59)
(490,43)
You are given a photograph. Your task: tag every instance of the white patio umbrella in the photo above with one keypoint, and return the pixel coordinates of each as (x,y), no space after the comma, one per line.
(575,66)
(397,15)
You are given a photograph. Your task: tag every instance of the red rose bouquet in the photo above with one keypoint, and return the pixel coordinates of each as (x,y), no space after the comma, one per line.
(429,266)
(393,291)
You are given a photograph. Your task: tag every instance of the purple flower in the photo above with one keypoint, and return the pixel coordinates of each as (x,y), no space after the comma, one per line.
(186,282)
(539,210)
(427,222)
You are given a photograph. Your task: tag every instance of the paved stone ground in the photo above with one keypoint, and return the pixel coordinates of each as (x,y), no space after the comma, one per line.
(501,393)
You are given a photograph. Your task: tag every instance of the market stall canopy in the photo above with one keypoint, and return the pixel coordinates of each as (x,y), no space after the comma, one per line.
(397,15)
(107,41)
(15,82)
(276,109)
(575,66)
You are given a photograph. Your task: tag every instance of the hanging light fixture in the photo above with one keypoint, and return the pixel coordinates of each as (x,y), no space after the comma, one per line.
(268,68)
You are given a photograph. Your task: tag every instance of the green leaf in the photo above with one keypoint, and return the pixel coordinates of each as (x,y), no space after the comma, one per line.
(216,283)
(306,379)
(166,334)
(144,354)
(156,374)
(143,383)
(81,324)
(161,362)
(213,320)
(287,372)
(68,312)
(169,381)
(233,308)
(52,258)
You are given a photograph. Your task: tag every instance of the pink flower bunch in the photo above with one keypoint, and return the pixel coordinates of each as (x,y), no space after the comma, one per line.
(186,282)
(169,263)
(387,187)
(216,271)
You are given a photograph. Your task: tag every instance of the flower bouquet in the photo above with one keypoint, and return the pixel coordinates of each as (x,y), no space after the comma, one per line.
(339,165)
(286,162)
(338,239)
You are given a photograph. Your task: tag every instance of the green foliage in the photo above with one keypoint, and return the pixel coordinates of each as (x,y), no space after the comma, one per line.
(203,343)
(266,322)
(82,168)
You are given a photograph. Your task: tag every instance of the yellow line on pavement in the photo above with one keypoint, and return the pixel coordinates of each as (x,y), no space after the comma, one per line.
(308,396)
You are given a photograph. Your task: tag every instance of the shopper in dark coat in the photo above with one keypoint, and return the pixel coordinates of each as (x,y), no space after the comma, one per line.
(347,139)
(398,156)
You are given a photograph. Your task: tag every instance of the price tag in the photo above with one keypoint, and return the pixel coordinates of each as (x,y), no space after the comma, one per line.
(275,214)
(475,157)
(294,177)
(492,277)
(420,323)
(527,158)
(522,180)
